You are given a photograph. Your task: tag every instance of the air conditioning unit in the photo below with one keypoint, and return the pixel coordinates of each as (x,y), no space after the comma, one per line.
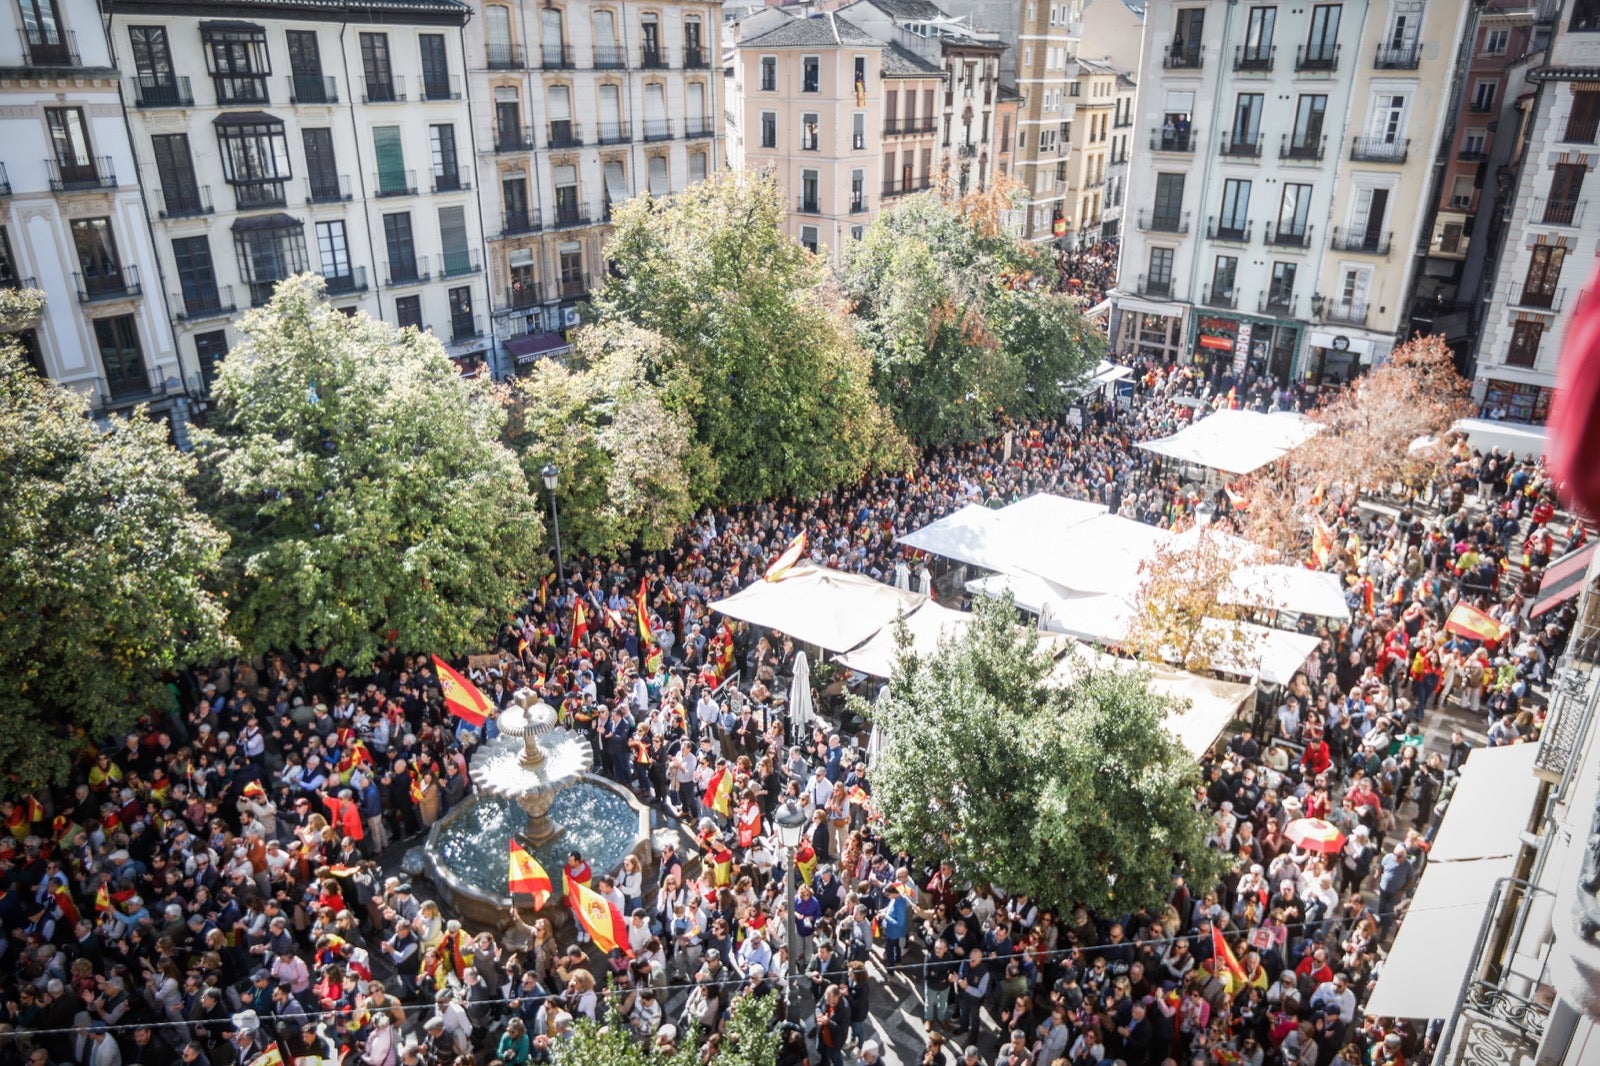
(570,317)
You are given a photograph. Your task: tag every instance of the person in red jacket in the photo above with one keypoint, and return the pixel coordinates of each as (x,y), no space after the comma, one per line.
(1316,759)
(344,812)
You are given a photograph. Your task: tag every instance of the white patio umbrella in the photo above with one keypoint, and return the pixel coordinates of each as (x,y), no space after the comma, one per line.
(876,740)
(801,709)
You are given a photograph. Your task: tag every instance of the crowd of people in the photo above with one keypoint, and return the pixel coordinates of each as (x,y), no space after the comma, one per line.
(1090,271)
(221,883)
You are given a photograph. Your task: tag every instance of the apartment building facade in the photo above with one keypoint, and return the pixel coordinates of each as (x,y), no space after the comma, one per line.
(581,105)
(334,138)
(1275,225)
(845,121)
(1552,226)
(72,221)
(1096,169)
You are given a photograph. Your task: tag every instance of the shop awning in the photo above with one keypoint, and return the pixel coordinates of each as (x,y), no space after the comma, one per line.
(834,610)
(927,625)
(1563,579)
(1206,705)
(1287,588)
(1236,442)
(531,346)
(1490,807)
(1273,655)
(251,223)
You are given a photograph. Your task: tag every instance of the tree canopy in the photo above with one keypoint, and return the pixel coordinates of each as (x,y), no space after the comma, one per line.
(627,458)
(365,485)
(1069,790)
(105,561)
(962,320)
(758,350)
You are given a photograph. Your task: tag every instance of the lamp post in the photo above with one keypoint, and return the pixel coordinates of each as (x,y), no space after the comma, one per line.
(552,477)
(790,822)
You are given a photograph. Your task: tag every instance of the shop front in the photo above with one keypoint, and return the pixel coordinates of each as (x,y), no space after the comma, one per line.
(1262,347)
(1515,401)
(1335,358)
(1141,329)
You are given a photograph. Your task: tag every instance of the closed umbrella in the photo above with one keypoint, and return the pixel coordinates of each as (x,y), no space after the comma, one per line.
(801,709)
(1314,834)
(877,739)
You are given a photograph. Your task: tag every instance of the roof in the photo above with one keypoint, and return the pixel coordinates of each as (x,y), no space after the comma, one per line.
(298,8)
(909,9)
(900,63)
(818,31)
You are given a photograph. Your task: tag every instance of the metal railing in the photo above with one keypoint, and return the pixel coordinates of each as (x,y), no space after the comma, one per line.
(1224,298)
(1164,222)
(694,58)
(809,205)
(1398,57)
(653,59)
(556,57)
(454,180)
(152,90)
(1563,212)
(125,392)
(614,133)
(528,295)
(394,183)
(521,222)
(1173,140)
(1275,303)
(896,188)
(609,57)
(703,126)
(352,280)
(95,174)
(1158,287)
(1254,60)
(858,204)
(1343,314)
(249,195)
(328,189)
(1226,231)
(1243,149)
(241,88)
(215,303)
(459,263)
(1301,149)
(1379,150)
(658,129)
(575,286)
(518,139)
(447,87)
(565,133)
(1471,155)
(567,217)
(1365,242)
(392,91)
(180,202)
(465,328)
(313,89)
(1180,57)
(119,283)
(1322,60)
(1541,301)
(412,271)
(58,53)
(503,55)
(1287,238)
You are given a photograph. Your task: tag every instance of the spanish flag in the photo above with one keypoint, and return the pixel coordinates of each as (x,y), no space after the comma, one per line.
(461,696)
(527,878)
(270,1057)
(1468,621)
(642,607)
(784,563)
(600,917)
(1321,543)
(1224,965)
(721,866)
(805,860)
(102,898)
(725,653)
(719,791)
(253,790)
(35,811)
(580,621)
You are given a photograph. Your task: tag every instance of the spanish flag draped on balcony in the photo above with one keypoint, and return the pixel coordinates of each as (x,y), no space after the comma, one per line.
(527,878)
(461,697)
(785,562)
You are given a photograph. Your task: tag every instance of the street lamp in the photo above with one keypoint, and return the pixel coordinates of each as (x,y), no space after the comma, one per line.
(790,821)
(551,477)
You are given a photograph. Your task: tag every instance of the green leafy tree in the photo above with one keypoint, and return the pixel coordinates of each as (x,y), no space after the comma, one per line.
(961,319)
(370,498)
(104,564)
(614,1044)
(758,350)
(750,1037)
(628,460)
(1071,791)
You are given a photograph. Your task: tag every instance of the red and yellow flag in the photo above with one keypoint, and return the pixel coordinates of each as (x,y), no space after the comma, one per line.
(1468,621)
(719,791)
(69,908)
(461,696)
(805,860)
(599,916)
(527,878)
(35,811)
(102,898)
(1227,968)
(253,790)
(580,621)
(642,607)
(1321,543)
(784,563)
(270,1057)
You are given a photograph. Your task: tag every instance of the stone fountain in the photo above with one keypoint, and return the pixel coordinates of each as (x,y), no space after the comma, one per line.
(531,782)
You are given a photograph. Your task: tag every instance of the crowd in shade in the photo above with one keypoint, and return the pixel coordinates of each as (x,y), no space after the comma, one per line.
(1089,271)
(220,885)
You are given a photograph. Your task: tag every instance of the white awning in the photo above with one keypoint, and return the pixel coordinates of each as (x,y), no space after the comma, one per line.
(1099,555)
(1273,655)
(1287,588)
(1490,807)
(1236,442)
(926,625)
(834,610)
(1207,705)
(970,535)
(1515,438)
(1044,513)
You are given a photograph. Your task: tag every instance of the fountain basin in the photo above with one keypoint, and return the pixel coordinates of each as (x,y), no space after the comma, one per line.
(467,850)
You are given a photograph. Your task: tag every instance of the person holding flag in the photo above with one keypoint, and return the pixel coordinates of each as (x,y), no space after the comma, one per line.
(719,790)
(598,917)
(461,697)
(527,878)
(785,562)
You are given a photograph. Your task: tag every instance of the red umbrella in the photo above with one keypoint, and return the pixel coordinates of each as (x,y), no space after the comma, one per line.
(1314,834)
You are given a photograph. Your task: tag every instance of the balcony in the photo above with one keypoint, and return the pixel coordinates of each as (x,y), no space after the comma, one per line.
(198,306)
(1471,155)
(574,287)
(1364,243)
(328,189)
(809,205)
(1160,288)
(1378,150)
(1565,212)
(1183,57)
(116,283)
(1302,149)
(1398,57)
(1226,298)
(353,280)
(568,216)
(1291,237)
(894,188)
(503,55)
(313,89)
(460,263)
(694,58)
(609,57)
(1228,231)
(123,393)
(966,151)
(1536,300)
(392,91)
(465,328)
(46,53)
(523,295)
(513,139)
(653,59)
(1483,105)
(151,91)
(455,180)
(1163,139)
(1320,60)
(697,128)
(1240,149)
(241,89)
(179,202)
(858,204)
(657,129)
(1276,302)
(518,222)
(557,57)
(82,177)
(5,181)
(411,271)
(446,87)
(261,290)
(614,133)
(1341,314)
(564,133)
(1164,222)
(1254,60)
(394,183)
(254,195)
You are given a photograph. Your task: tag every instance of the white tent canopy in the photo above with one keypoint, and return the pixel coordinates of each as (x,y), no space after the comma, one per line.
(1273,655)
(1208,705)
(1287,588)
(1045,513)
(1099,555)
(1099,618)
(972,535)
(829,608)
(1489,808)
(926,625)
(1515,438)
(1236,442)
